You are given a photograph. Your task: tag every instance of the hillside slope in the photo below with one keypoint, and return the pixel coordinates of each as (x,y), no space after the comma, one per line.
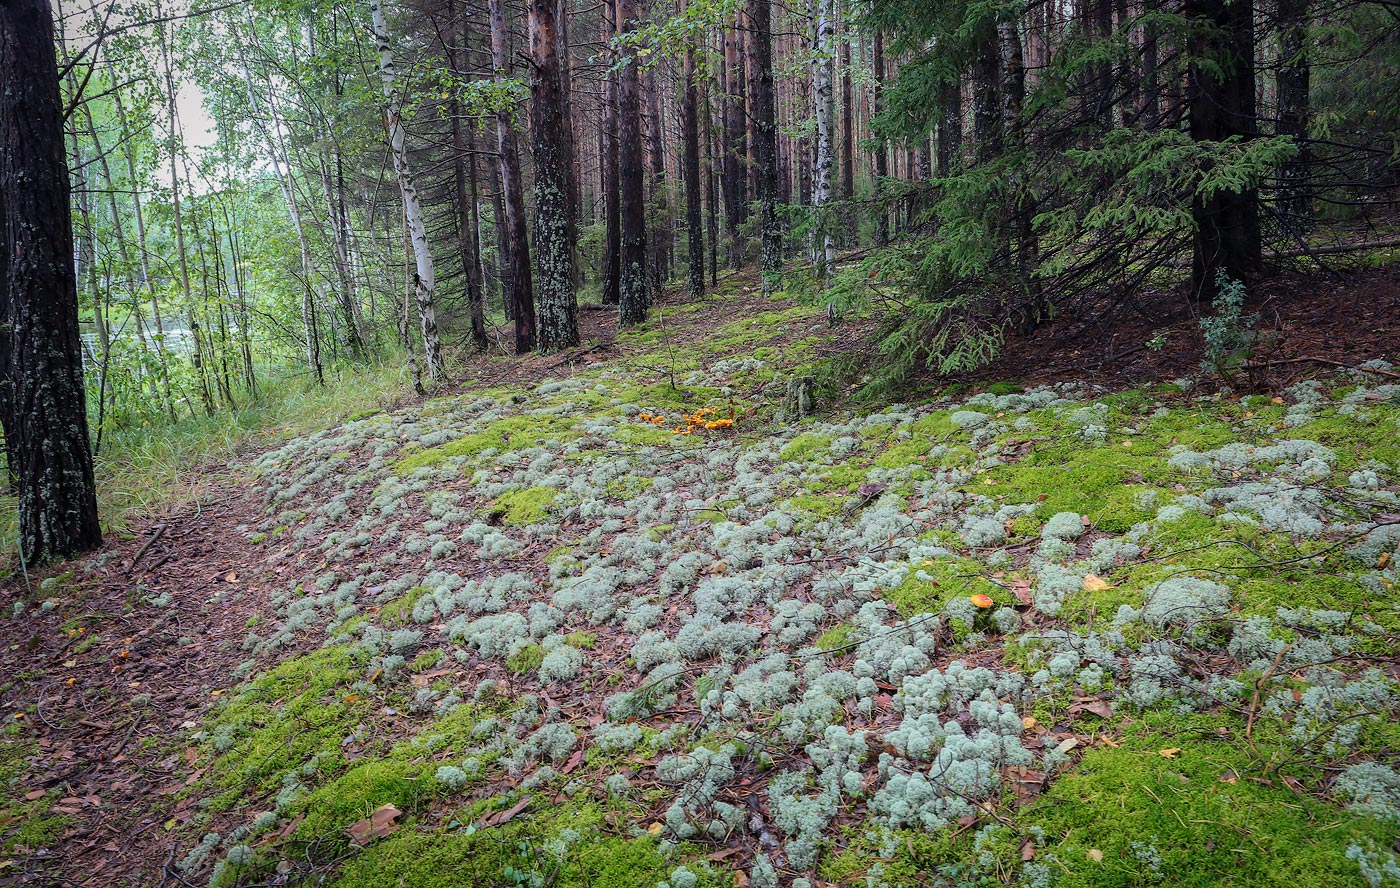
(624,627)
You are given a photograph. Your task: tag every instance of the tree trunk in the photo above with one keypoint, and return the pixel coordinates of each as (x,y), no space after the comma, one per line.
(882,163)
(950,126)
(554,249)
(423,282)
(765,140)
(1220,105)
(848,174)
(690,136)
(632,282)
(612,245)
(659,237)
(1294,81)
(711,189)
(823,97)
(43,407)
(468,230)
(522,295)
(733,178)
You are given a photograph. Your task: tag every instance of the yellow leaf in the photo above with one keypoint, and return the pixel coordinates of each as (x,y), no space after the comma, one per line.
(1095,583)
(1095,855)
(1169,753)
(1028,722)
(981,600)
(655,829)
(231,578)
(1383,560)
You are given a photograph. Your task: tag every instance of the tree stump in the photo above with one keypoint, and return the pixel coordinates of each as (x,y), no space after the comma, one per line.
(800,400)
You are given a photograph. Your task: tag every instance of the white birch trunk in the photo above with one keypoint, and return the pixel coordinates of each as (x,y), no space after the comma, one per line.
(413,212)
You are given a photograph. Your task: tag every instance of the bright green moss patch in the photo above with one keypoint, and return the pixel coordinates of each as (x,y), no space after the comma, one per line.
(527,659)
(502,435)
(28,826)
(529,505)
(399,612)
(804,448)
(513,854)
(280,721)
(836,637)
(946,579)
(1208,822)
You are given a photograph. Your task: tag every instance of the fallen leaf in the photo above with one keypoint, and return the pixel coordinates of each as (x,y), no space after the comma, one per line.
(1067,744)
(1095,855)
(506,815)
(1028,849)
(1383,560)
(572,762)
(1230,777)
(33,794)
(231,578)
(375,826)
(981,600)
(1170,752)
(655,829)
(1095,707)
(1095,583)
(1022,590)
(1028,722)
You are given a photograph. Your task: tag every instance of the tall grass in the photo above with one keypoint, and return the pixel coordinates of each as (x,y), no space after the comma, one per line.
(144,472)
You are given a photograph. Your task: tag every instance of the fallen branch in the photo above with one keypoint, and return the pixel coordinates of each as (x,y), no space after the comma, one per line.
(1254,365)
(145,547)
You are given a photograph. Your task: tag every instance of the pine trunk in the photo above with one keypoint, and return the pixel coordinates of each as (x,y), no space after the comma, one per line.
(765,142)
(632,282)
(43,406)
(554,249)
(690,136)
(521,294)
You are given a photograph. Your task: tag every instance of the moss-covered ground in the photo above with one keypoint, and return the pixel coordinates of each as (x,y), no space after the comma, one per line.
(631,627)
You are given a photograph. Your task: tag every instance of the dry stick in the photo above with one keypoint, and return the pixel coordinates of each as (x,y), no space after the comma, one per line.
(145,547)
(1253,365)
(1258,689)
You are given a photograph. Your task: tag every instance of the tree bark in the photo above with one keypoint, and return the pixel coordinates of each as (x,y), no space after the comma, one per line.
(612,244)
(1294,110)
(824,100)
(43,406)
(632,281)
(1220,105)
(423,281)
(765,140)
(464,181)
(690,136)
(554,250)
(848,174)
(733,178)
(882,162)
(521,294)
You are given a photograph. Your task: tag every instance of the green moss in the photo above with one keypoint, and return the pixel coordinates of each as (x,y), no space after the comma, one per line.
(947,579)
(29,826)
(502,435)
(529,505)
(510,855)
(1211,824)
(427,660)
(582,640)
(527,659)
(399,612)
(284,718)
(805,448)
(817,506)
(836,637)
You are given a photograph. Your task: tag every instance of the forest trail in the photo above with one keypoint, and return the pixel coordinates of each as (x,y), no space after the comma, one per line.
(599,618)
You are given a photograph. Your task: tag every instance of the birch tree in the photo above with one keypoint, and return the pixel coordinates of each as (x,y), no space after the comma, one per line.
(413,212)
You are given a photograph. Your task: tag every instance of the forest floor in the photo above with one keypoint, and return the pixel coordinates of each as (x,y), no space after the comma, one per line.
(604,618)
